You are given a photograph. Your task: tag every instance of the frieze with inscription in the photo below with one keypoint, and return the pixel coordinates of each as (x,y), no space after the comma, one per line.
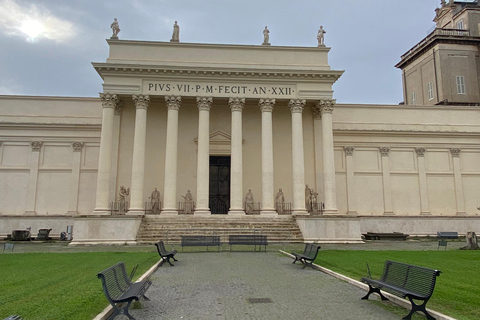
(218,90)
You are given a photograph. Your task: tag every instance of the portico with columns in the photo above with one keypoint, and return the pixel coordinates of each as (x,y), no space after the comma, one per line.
(172,104)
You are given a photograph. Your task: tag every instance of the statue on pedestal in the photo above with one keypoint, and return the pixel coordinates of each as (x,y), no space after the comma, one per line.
(188,202)
(266,37)
(124,192)
(115,29)
(176,33)
(321,37)
(155,201)
(308,193)
(279,201)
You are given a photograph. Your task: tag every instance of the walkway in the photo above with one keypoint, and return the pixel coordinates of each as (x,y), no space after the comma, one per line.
(251,285)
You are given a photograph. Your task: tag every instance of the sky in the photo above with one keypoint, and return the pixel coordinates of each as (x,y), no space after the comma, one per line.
(47,46)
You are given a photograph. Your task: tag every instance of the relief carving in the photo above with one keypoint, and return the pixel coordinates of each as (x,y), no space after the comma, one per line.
(455,152)
(36,145)
(420,152)
(349,150)
(384,151)
(77,146)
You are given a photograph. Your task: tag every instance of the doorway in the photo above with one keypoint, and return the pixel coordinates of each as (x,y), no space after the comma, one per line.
(219,201)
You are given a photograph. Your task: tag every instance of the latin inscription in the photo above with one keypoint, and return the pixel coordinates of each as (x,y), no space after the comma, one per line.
(190,89)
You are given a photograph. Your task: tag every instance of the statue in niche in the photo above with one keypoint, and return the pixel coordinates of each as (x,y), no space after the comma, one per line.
(266,37)
(280,201)
(321,37)
(176,33)
(249,202)
(155,201)
(115,28)
(308,193)
(188,202)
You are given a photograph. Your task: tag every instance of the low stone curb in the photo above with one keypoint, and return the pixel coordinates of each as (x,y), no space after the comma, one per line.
(397,300)
(107,312)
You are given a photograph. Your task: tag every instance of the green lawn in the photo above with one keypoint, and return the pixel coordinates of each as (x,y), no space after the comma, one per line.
(457,290)
(56,286)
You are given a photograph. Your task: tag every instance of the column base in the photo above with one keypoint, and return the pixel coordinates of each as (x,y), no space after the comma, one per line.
(330,212)
(101,211)
(352,213)
(30,213)
(169,212)
(72,213)
(299,212)
(388,213)
(136,212)
(202,212)
(268,212)
(236,212)
(461,213)
(425,213)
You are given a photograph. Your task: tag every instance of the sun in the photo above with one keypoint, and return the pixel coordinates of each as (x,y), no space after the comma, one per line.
(32,28)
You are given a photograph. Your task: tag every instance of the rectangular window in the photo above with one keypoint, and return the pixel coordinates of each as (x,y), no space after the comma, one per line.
(460,25)
(430,91)
(461,85)
(414,100)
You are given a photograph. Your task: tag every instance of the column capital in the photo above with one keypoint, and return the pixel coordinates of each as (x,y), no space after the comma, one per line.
(317,114)
(36,145)
(204,103)
(236,104)
(349,150)
(455,152)
(77,146)
(109,100)
(384,151)
(173,102)
(266,105)
(296,105)
(325,106)
(141,101)
(420,151)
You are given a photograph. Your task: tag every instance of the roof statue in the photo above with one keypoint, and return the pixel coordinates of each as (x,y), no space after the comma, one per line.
(266,37)
(321,37)
(176,33)
(115,29)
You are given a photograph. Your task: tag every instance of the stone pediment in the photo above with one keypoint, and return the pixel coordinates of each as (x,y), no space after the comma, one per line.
(220,137)
(220,143)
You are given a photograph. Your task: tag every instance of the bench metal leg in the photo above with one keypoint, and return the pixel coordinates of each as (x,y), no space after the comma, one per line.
(296,259)
(374,290)
(418,307)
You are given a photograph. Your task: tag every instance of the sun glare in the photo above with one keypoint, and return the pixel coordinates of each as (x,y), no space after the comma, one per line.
(32,28)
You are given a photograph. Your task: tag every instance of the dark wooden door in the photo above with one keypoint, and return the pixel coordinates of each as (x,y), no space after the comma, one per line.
(219,184)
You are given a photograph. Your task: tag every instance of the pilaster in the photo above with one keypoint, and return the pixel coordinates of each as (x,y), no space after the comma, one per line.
(457,174)
(422,182)
(33,177)
(351,196)
(387,184)
(75,179)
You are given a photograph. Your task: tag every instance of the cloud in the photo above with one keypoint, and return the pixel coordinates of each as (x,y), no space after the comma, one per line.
(33,22)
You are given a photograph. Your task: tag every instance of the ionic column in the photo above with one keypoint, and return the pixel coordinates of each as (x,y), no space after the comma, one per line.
(109,102)
(138,161)
(236,169)
(75,180)
(298,163)
(422,182)
(33,177)
(351,206)
(330,195)
(387,184)
(170,181)
(268,201)
(203,155)
(457,175)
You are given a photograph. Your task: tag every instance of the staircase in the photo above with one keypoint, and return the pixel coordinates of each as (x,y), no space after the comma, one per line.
(169,228)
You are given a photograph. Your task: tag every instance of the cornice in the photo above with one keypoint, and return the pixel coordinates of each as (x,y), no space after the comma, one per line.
(330,76)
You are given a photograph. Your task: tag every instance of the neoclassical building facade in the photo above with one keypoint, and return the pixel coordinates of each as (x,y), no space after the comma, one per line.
(220,121)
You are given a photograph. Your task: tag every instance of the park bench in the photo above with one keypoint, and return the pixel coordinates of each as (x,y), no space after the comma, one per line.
(14,317)
(385,236)
(443,236)
(248,239)
(164,254)
(200,241)
(405,281)
(308,256)
(119,289)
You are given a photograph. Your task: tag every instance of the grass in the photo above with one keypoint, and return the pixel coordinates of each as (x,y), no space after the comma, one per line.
(457,289)
(41,286)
